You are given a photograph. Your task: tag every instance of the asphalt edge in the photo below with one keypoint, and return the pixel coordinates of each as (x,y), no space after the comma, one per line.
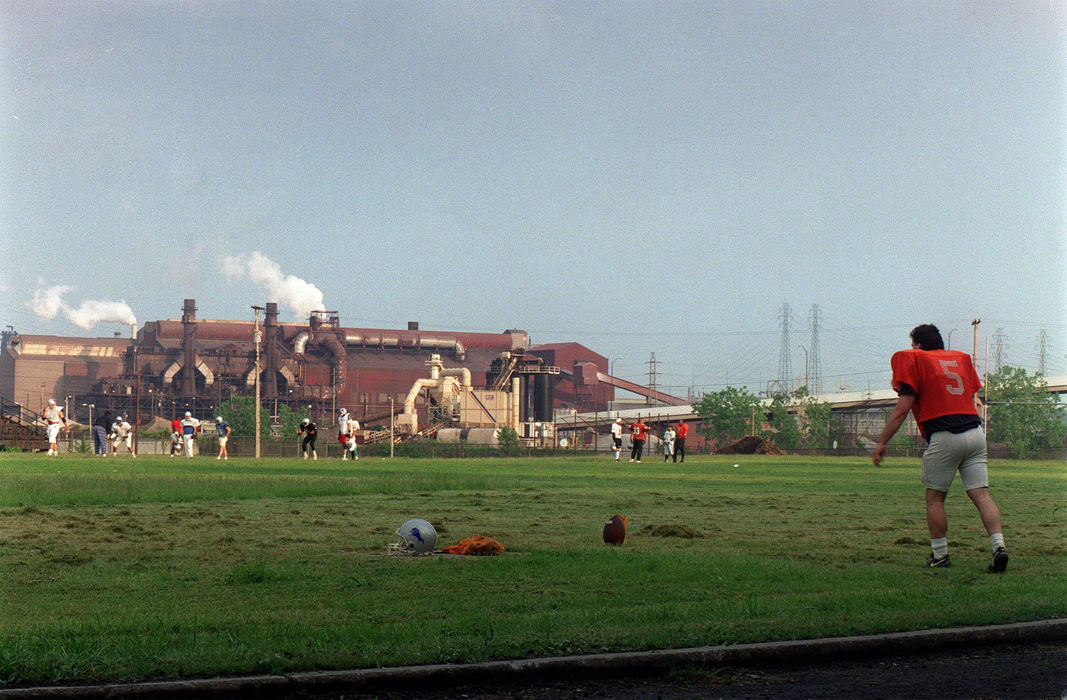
(630,663)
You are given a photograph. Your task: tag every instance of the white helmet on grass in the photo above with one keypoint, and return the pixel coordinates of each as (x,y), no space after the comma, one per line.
(416,537)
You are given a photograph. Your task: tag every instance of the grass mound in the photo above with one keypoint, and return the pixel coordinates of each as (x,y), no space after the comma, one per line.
(683,531)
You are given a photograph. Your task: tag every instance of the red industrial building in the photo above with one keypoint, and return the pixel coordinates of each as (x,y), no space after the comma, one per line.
(170,366)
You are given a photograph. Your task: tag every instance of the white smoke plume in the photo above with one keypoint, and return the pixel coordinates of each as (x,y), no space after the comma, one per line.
(48,303)
(300,296)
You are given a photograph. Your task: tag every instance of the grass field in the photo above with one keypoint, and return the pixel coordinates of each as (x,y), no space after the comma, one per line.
(122,569)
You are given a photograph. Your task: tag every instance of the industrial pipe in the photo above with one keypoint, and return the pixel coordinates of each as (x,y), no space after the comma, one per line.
(300,342)
(462,372)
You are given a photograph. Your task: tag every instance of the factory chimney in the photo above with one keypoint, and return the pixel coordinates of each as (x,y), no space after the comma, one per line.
(188,349)
(270,370)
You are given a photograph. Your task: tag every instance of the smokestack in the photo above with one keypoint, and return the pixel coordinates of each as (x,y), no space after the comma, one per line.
(270,371)
(133,331)
(188,348)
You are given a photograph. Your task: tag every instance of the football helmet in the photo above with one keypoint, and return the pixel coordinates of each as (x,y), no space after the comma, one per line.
(416,537)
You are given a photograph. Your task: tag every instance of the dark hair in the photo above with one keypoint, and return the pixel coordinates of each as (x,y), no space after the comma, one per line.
(927,337)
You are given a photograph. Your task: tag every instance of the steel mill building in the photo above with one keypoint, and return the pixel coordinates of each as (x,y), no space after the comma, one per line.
(424,379)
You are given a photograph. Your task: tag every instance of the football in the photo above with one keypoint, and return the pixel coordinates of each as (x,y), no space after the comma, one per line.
(615,530)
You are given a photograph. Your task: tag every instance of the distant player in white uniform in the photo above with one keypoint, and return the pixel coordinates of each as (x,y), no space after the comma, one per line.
(190,427)
(668,443)
(347,425)
(616,437)
(122,434)
(53,421)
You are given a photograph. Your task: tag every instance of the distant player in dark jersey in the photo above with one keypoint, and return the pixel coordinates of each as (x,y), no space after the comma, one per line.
(939,386)
(310,432)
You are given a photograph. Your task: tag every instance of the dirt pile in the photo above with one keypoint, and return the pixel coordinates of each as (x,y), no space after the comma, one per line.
(750,445)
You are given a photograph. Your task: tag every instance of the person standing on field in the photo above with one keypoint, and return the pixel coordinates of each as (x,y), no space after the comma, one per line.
(224,430)
(310,432)
(616,437)
(680,433)
(122,433)
(175,436)
(347,425)
(101,427)
(939,387)
(351,445)
(668,443)
(53,421)
(638,431)
(190,427)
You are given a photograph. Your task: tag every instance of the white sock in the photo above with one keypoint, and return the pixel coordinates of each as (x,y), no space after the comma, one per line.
(996,541)
(940,546)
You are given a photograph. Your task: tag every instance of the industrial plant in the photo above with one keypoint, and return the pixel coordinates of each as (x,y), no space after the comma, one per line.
(417,382)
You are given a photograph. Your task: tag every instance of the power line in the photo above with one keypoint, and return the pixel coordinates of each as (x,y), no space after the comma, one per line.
(815,378)
(1042,350)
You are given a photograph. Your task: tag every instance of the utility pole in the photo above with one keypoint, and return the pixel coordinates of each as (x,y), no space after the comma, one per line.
(982,410)
(392,426)
(814,383)
(256,337)
(651,380)
(784,384)
(1042,350)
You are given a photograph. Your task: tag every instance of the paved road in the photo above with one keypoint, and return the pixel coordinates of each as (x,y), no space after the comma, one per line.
(1022,672)
(1025,661)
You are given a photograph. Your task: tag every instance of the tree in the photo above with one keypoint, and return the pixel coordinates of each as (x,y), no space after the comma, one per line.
(239,412)
(727,415)
(799,421)
(1023,413)
(821,425)
(784,429)
(508,439)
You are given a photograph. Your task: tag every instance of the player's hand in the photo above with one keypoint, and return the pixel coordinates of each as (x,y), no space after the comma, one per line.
(877,455)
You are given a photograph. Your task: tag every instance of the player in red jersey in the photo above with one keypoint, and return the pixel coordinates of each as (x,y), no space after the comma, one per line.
(638,431)
(681,431)
(939,386)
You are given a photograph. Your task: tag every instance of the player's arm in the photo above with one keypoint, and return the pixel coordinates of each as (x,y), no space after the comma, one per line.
(892,425)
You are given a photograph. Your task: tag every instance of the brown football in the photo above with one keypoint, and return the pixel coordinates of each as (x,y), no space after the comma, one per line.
(615,530)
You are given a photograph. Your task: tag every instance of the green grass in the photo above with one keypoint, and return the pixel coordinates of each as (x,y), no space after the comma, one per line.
(124,569)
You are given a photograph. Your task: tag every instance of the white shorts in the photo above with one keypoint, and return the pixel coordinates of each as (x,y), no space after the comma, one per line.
(222,441)
(53,431)
(120,441)
(952,452)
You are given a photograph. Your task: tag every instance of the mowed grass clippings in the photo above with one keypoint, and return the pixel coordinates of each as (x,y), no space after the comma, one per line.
(121,569)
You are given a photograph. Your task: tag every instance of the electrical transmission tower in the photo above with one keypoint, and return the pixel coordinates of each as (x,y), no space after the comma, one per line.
(651,380)
(1042,350)
(999,346)
(815,375)
(784,384)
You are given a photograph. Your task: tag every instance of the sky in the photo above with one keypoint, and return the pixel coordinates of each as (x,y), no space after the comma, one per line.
(648,179)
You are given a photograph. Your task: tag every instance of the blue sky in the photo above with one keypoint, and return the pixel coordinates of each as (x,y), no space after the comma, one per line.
(638,177)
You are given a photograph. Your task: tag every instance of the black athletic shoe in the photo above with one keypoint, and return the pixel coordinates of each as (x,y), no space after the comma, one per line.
(1000,561)
(934,563)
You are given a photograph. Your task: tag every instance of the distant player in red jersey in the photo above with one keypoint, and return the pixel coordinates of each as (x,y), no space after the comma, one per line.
(681,431)
(938,386)
(638,431)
